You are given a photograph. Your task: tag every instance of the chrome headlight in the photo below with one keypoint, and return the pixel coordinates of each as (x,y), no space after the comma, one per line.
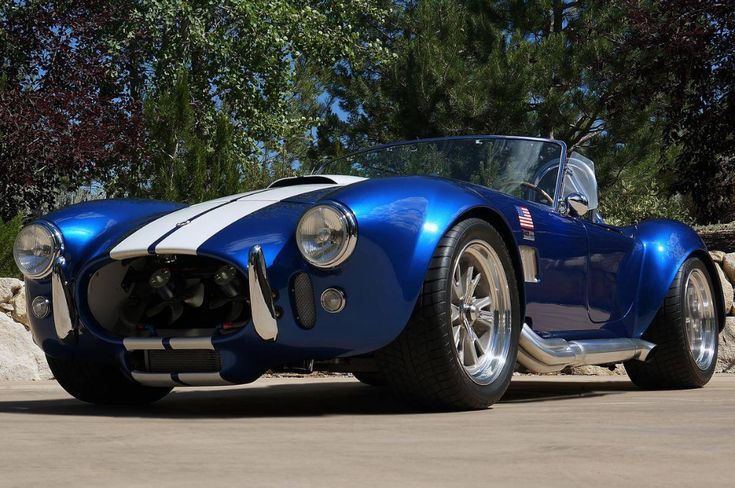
(326,235)
(35,249)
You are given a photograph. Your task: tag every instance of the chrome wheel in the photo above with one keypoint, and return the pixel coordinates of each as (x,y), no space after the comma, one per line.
(699,319)
(481,312)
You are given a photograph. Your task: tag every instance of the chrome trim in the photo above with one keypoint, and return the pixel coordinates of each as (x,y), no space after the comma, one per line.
(529,260)
(548,355)
(261,297)
(184,379)
(58,250)
(191,343)
(576,205)
(174,343)
(558,188)
(350,223)
(62,304)
(143,344)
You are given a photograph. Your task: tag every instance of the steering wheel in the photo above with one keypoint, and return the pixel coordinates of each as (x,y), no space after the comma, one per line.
(533,187)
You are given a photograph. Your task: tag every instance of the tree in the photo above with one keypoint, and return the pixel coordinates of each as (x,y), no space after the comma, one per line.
(185,165)
(61,118)
(245,63)
(682,53)
(94,92)
(539,68)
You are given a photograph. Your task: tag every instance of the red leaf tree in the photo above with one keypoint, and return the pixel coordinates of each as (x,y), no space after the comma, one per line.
(63,117)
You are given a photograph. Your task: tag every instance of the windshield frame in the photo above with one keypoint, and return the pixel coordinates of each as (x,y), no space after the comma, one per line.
(561,144)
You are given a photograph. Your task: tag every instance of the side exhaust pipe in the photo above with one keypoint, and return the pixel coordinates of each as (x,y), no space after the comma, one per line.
(549,355)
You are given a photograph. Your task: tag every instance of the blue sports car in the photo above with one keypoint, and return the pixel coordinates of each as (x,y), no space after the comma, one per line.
(431,266)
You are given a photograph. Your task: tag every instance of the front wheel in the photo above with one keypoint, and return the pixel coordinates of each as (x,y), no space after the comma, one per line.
(685,331)
(459,349)
(101,384)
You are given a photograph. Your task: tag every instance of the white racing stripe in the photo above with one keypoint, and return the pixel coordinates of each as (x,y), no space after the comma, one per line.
(183,231)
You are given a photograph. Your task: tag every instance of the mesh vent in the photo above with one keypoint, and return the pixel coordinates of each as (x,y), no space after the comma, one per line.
(303,298)
(184,361)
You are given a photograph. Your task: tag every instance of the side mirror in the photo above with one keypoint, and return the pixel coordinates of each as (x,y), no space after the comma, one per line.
(576,204)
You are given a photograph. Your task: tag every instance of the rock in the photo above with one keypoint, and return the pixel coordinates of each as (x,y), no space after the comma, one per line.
(20,358)
(20,314)
(727,290)
(717,256)
(726,354)
(594,370)
(8,288)
(728,266)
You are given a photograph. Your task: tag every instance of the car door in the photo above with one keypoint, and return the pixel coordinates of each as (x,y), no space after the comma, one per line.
(611,277)
(556,303)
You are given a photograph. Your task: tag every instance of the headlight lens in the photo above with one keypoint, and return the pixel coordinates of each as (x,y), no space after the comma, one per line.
(35,249)
(326,235)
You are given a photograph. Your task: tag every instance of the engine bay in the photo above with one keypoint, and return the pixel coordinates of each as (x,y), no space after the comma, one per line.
(169,295)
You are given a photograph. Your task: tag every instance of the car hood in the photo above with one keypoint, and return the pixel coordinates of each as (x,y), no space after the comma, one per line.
(185,230)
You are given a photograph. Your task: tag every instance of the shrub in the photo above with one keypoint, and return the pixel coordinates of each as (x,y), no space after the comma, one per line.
(8,231)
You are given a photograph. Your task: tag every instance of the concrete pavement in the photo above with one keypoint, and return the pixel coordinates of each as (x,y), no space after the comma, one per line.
(324,432)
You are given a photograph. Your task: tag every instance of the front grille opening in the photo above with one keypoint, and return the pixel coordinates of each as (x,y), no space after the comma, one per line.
(169,295)
(182,361)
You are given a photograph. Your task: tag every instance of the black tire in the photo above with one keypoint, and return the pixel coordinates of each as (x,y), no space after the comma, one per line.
(102,384)
(372,379)
(670,364)
(422,365)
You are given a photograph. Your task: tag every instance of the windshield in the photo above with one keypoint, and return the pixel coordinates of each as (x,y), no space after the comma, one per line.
(524,168)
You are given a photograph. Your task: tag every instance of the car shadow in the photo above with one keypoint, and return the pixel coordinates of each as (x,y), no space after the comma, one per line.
(299,400)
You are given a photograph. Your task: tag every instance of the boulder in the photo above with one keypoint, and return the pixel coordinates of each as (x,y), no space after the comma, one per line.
(8,288)
(20,358)
(594,370)
(717,256)
(726,354)
(727,290)
(19,313)
(728,266)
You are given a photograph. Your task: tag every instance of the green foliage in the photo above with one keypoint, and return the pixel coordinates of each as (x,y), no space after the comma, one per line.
(252,70)
(8,231)
(189,160)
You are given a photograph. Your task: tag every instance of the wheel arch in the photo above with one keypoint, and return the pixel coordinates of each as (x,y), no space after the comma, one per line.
(494,218)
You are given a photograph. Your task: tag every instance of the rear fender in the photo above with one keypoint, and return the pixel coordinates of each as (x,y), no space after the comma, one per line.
(667,244)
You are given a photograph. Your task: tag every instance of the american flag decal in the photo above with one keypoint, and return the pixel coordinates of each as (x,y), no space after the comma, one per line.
(526,221)
(524,218)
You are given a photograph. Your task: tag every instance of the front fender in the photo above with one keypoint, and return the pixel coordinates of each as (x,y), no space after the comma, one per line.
(666,245)
(400,223)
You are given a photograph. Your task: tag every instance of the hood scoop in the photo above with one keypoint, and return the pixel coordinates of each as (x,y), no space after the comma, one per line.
(315,180)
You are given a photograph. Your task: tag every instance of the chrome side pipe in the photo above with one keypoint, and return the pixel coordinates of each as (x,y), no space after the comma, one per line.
(549,355)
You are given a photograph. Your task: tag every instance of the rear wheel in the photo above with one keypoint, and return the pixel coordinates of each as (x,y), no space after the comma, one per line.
(685,331)
(102,384)
(459,349)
